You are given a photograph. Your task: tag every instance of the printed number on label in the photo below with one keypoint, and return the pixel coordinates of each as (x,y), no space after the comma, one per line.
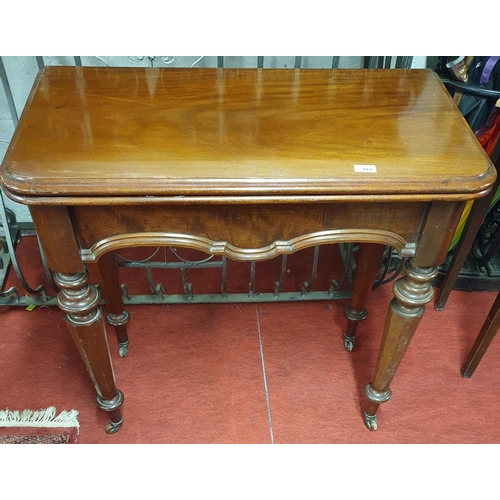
(371,169)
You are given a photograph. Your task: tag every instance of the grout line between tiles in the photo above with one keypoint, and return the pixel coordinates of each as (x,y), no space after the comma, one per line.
(264,375)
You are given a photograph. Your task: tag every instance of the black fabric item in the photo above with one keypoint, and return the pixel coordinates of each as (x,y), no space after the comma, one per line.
(476,109)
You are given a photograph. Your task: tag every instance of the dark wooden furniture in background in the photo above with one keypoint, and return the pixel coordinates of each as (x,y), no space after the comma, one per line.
(476,217)
(483,340)
(247,163)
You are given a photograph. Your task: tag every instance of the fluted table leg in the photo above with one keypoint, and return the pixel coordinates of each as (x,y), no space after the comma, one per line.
(80,301)
(411,293)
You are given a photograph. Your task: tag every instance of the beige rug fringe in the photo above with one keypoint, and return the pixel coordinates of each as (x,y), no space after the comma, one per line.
(38,418)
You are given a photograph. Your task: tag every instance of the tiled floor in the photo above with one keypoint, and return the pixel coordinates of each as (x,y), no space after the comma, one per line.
(260,373)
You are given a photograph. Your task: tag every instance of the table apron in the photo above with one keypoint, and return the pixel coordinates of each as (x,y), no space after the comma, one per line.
(247,232)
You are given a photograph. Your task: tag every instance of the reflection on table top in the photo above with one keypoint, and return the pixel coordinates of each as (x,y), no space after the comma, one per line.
(170,131)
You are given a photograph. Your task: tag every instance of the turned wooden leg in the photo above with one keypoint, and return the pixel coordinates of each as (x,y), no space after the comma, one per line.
(80,301)
(109,284)
(483,340)
(411,293)
(368,260)
(105,272)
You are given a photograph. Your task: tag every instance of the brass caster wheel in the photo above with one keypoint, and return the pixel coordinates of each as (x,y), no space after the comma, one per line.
(113,427)
(348,343)
(370,421)
(122,349)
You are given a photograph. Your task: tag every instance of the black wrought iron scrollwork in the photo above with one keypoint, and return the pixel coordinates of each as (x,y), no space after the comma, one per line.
(191,262)
(142,261)
(307,286)
(348,263)
(392,264)
(8,224)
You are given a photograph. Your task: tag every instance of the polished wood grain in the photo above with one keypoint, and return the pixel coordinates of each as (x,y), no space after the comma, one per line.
(138,132)
(249,164)
(55,232)
(246,232)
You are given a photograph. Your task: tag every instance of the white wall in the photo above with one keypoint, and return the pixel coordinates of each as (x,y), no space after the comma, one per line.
(21,72)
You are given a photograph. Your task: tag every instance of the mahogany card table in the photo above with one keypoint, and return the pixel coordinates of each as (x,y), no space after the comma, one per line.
(246,163)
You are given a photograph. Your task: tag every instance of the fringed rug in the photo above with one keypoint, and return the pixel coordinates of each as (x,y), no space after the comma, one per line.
(38,427)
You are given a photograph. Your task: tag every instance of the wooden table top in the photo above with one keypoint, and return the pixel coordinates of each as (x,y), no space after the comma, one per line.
(142,132)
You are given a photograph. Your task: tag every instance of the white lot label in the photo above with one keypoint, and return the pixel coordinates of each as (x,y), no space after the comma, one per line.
(370,169)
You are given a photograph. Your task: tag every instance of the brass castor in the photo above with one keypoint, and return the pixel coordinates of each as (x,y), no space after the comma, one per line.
(370,421)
